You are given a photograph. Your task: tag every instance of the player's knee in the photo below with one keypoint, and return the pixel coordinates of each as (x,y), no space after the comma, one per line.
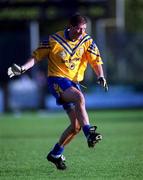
(76,129)
(80,98)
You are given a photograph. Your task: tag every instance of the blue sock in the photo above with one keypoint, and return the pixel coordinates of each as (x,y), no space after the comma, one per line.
(86,129)
(57,150)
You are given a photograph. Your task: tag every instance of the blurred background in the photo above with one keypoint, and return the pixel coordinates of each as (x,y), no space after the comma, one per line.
(116,26)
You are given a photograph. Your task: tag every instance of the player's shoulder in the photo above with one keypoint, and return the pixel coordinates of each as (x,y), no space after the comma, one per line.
(53,38)
(58,33)
(61,33)
(87,39)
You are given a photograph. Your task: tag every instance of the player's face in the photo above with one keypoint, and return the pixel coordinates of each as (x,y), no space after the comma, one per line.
(77,31)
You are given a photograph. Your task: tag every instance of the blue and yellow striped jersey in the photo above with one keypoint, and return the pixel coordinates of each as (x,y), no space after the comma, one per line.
(67,58)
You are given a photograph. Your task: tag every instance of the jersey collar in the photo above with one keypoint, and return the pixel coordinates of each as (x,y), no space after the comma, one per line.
(66,34)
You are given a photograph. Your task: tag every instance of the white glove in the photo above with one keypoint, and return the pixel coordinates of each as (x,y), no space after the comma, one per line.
(103,83)
(15,70)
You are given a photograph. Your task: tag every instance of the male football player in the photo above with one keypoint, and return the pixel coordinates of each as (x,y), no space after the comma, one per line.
(68,53)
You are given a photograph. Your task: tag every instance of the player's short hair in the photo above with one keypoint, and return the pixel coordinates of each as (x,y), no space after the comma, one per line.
(77,19)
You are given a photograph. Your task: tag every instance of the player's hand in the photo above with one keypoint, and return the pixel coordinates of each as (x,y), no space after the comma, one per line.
(103,83)
(15,70)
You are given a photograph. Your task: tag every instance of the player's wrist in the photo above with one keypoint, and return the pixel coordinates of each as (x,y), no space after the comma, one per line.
(22,69)
(100,77)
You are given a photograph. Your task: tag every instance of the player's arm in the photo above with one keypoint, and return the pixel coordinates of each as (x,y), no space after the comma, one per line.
(39,54)
(29,64)
(95,60)
(100,76)
(16,70)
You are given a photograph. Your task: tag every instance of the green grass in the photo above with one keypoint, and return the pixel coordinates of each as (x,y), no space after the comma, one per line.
(26,139)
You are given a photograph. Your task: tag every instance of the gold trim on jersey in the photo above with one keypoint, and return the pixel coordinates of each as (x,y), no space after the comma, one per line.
(58,89)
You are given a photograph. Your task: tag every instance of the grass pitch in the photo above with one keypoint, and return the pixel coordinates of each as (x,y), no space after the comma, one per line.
(26,139)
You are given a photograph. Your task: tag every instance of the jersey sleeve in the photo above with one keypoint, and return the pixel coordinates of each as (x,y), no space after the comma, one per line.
(93,54)
(42,51)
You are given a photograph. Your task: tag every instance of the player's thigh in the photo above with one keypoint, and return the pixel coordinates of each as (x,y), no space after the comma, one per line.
(72,95)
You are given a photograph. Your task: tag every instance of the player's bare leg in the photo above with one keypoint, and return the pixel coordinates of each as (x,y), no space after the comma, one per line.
(55,156)
(74,95)
(79,118)
(71,130)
